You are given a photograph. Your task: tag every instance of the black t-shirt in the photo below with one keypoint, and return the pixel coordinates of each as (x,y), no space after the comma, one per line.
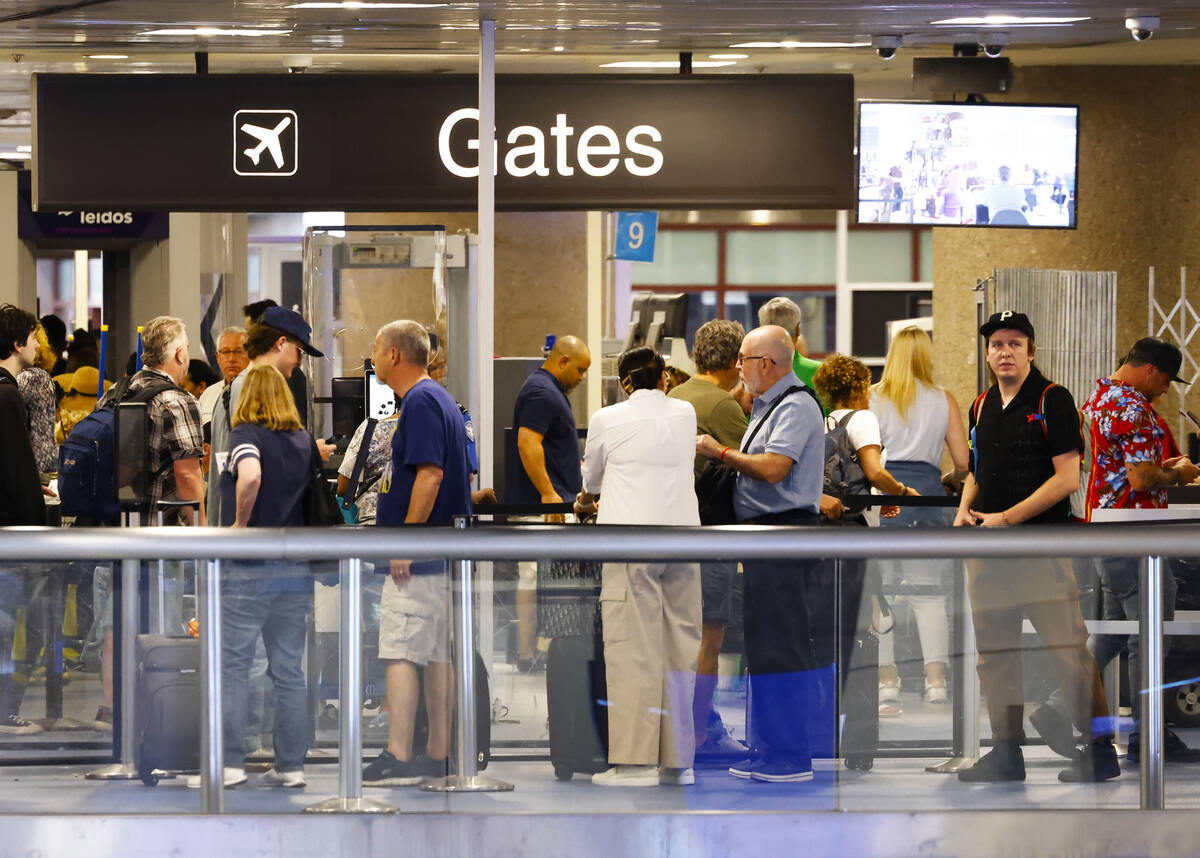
(1012,449)
(542,406)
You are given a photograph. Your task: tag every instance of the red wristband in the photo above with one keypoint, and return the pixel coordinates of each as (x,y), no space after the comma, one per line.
(723,452)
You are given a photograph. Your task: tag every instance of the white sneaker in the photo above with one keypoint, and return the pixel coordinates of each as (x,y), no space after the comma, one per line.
(889,692)
(935,694)
(627,776)
(676,777)
(233,777)
(274,778)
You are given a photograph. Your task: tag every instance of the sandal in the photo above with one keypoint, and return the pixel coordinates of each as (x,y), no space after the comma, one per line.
(890,709)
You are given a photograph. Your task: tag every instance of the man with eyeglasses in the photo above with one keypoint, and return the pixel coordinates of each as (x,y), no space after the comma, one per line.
(780,469)
(231,359)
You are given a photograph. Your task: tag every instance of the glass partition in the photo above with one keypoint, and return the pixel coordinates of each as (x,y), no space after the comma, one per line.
(917,669)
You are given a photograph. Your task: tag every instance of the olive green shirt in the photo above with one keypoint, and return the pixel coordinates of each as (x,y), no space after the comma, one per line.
(717,413)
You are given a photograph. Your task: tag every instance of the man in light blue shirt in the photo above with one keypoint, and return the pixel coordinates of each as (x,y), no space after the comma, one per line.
(780,476)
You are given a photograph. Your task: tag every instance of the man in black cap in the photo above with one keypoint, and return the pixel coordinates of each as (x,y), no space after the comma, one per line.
(278,339)
(1129,471)
(1025,454)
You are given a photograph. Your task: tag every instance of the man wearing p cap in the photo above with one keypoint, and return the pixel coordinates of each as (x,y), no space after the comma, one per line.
(1025,450)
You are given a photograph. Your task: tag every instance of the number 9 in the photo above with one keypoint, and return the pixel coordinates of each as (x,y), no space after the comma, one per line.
(637,234)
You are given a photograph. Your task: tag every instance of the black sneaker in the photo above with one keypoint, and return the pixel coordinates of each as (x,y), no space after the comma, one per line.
(1056,730)
(430,768)
(1174,749)
(18,726)
(386,770)
(1096,761)
(1004,762)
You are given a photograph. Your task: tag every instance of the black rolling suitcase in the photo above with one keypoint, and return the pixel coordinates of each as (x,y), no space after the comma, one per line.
(168,705)
(483,717)
(575,686)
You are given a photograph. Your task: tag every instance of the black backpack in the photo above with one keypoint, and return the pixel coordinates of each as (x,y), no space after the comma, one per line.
(87,458)
(844,474)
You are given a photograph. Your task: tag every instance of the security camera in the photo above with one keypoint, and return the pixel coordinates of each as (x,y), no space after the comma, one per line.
(993,44)
(886,46)
(1142,27)
(297,64)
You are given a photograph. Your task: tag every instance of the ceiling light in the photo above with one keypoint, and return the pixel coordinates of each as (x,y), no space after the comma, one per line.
(214,31)
(1005,21)
(791,44)
(729,56)
(108,56)
(663,64)
(355,4)
(559,48)
(24,148)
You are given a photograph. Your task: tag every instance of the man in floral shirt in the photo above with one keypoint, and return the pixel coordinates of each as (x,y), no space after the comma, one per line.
(1130,472)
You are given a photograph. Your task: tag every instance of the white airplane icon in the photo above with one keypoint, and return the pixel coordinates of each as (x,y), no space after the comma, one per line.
(269,139)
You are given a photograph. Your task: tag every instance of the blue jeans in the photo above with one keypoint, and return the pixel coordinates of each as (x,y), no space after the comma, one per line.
(277,606)
(1120,582)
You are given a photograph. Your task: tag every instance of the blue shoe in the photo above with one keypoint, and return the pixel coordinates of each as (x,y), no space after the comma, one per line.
(745,769)
(781,771)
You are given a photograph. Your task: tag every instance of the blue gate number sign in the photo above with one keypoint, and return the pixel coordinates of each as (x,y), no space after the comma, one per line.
(636,232)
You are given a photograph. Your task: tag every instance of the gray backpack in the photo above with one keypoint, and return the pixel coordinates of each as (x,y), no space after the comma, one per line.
(844,474)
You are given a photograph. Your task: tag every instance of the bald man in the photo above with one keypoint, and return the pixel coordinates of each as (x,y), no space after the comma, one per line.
(781,467)
(544,466)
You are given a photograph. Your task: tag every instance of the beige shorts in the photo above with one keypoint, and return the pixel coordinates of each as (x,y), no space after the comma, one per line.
(414,620)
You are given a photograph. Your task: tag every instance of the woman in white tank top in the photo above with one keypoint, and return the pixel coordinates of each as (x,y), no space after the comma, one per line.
(916,419)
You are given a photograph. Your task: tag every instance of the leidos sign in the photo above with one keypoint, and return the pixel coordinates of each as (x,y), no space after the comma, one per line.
(404,142)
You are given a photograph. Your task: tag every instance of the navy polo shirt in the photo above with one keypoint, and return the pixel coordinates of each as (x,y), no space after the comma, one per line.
(1012,448)
(429,431)
(542,406)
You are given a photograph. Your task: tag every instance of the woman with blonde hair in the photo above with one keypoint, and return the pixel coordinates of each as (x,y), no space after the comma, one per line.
(917,419)
(264,484)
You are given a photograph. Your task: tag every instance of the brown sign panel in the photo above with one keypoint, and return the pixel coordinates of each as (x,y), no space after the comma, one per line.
(410,142)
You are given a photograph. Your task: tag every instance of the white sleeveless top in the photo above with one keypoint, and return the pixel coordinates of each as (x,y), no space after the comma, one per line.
(918,438)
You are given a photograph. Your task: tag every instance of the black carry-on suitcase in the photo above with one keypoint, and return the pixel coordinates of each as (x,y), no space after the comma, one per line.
(483,717)
(575,689)
(168,705)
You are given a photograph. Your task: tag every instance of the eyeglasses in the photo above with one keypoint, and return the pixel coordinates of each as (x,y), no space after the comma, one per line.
(741,359)
(230,352)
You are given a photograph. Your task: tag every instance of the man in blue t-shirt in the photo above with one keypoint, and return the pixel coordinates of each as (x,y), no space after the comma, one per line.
(543,461)
(427,482)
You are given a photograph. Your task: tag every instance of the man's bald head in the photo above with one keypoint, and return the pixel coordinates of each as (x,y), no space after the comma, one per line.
(775,342)
(766,357)
(568,361)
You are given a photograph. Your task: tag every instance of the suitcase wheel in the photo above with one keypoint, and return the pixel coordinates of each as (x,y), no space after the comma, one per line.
(563,772)
(861,763)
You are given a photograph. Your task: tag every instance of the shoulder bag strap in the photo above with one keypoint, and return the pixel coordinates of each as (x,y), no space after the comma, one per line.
(360,461)
(226,394)
(759,425)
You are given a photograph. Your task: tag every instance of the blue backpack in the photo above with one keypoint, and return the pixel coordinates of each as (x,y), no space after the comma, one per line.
(86,460)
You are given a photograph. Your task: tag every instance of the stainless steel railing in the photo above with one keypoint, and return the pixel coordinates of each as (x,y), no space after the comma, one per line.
(613,543)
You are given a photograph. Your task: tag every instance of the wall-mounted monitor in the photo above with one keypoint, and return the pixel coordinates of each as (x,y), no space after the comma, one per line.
(954,164)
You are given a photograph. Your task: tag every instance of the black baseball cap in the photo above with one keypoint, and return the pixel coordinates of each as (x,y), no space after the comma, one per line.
(1162,355)
(292,324)
(1007,319)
